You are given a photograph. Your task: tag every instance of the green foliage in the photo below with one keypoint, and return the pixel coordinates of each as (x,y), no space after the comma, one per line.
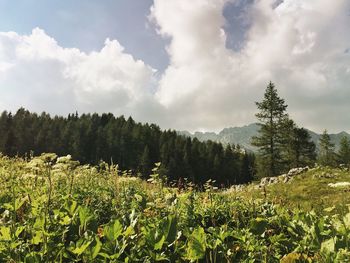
(272,114)
(299,150)
(344,151)
(91,138)
(106,217)
(307,191)
(282,145)
(327,155)
(196,246)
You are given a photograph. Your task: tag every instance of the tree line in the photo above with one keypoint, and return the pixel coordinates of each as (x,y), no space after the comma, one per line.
(283,145)
(329,157)
(91,138)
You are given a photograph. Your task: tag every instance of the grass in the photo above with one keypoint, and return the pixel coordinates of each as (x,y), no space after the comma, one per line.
(307,191)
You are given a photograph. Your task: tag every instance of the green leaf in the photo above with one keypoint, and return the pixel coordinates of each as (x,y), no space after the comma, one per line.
(19,230)
(171,229)
(8,206)
(66,220)
(80,250)
(39,222)
(346,219)
(19,202)
(258,226)
(96,249)
(33,257)
(328,245)
(37,238)
(14,245)
(84,215)
(71,207)
(5,233)
(159,244)
(113,230)
(104,255)
(129,231)
(339,226)
(196,246)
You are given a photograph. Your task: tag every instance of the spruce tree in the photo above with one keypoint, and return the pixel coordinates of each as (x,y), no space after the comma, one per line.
(247,168)
(133,146)
(326,156)
(344,151)
(300,150)
(145,163)
(272,114)
(3,130)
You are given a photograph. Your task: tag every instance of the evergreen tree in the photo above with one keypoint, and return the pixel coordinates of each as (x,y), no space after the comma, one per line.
(300,150)
(230,166)
(272,113)
(3,130)
(304,148)
(10,139)
(247,168)
(326,156)
(344,151)
(145,163)
(90,138)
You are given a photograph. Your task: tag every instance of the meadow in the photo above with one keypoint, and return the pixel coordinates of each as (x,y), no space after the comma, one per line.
(54,210)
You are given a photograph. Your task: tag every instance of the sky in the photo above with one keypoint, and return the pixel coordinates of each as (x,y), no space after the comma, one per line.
(196,65)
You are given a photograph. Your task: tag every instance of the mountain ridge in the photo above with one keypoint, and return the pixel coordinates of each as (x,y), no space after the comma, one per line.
(242,136)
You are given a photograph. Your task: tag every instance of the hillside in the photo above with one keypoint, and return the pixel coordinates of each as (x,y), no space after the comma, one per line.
(242,136)
(318,188)
(54,210)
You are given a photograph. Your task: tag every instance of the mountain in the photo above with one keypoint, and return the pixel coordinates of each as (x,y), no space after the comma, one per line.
(233,135)
(242,136)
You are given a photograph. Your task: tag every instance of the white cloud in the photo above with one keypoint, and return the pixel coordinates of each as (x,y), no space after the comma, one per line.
(298,44)
(37,73)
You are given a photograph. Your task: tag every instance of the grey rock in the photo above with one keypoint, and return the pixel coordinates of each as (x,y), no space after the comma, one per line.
(284,178)
(299,170)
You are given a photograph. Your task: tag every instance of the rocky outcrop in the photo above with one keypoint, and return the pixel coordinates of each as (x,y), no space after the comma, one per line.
(296,171)
(284,178)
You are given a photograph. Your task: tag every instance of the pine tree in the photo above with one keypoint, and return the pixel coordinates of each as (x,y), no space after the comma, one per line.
(133,146)
(272,113)
(300,149)
(304,148)
(145,162)
(230,166)
(326,156)
(3,130)
(344,151)
(247,168)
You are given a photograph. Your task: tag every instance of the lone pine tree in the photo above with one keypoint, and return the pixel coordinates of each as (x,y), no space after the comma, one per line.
(271,139)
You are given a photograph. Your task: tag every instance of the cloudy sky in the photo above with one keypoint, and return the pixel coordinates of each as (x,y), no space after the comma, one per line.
(194,65)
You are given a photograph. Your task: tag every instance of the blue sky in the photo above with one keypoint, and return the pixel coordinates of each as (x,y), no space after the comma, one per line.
(195,65)
(85,24)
